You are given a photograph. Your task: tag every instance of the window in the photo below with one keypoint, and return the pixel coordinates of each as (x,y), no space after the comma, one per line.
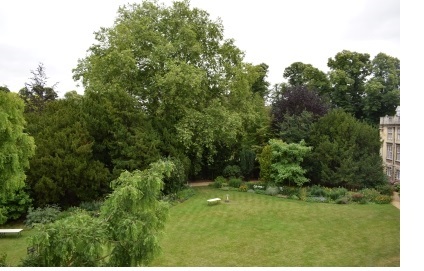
(389,151)
(398,134)
(398,152)
(390,133)
(389,171)
(397,175)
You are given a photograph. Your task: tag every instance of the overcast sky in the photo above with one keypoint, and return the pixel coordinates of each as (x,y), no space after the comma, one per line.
(275,32)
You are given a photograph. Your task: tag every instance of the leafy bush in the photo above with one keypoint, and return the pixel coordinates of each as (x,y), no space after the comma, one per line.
(14,205)
(260,191)
(396,187)
(91,206)
(342,200)
(370,194)
(272,190)
(385,189)
(232,171)
(383,199)
(219,181)
(317,191)
(358,197)
(44,215)
(243,188)
(336,193)
(185,194)
(250,191)
(294,197)
(178,178)
(290,191)
(235,182)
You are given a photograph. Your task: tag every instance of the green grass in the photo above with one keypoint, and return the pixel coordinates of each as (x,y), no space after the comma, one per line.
(13,245)
(259,230)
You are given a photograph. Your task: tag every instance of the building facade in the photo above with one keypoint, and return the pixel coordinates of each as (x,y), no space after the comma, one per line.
(390,148)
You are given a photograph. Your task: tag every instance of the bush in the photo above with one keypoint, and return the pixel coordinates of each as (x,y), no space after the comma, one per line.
(272,190)
(383,199)
(317,191)
(385,189)
(370,194)
(290,191)
(316,199)
(219,181)
(235,182)
(336,193)
(185,194)
(232,171)
(44,215)
(358,197)
(243,188)
(342,200)
(91,206)
(259,191)
(396,187)
(14,205)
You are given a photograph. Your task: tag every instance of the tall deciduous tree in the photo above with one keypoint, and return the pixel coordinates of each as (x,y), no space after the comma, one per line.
(301,74)
(16,146)
(383,89)
(189,81)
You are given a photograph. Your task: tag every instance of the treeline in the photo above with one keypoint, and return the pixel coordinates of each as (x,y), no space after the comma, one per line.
(163,83)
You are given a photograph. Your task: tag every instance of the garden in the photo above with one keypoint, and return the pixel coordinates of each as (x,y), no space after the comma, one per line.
(270,228)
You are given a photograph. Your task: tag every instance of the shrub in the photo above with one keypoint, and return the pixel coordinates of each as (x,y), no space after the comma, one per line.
(385,189)
(219,181)
(235,182)
(14,205)
(290,191)
(185,194)
(396,187)
(317,191)
(232,171)
(316,199)
(272,190)
(91,206)
(357,197)
(370,194)
(250,191)
(342,200)
(383,199)
(294,197)
(44,215)
(336,193)
(243,188)
(259,191)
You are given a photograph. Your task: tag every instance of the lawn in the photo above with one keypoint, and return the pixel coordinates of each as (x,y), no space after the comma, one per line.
(258,230)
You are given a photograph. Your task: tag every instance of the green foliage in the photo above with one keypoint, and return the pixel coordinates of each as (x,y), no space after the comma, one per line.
(383,199)
(40,215)
(370,194)
(234,182)
(272,190)
(185,194)
(63,170)
(232,171)
(286,162)
(317,191)
(178,179)
(171,60)
(243,188)
(219,181)
(91,206)
(16,146)
(346,152)
(265,162)
(124,234)
(14,205)
(336,193)
(385,189)
(247,162)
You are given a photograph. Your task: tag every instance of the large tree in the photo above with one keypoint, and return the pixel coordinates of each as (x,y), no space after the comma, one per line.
(16,146)
(383,89)
(346,152)
(63,170)
(191,83)
(348,74)
(301,74)
(294,110)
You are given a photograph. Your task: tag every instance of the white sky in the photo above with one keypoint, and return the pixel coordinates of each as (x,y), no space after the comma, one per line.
(275,32)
